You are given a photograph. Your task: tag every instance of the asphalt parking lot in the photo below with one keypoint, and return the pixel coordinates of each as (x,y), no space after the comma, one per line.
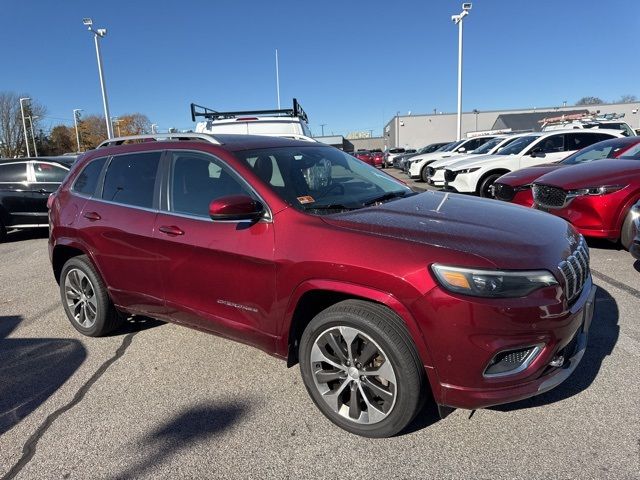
(155,400)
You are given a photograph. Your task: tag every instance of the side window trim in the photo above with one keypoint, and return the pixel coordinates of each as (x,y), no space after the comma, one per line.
(168,175)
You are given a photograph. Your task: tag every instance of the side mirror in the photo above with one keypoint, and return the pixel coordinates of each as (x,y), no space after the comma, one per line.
(234,208)
(537,152)
(461,150)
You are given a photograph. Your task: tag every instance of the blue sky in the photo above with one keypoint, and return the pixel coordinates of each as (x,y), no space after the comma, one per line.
(352,64)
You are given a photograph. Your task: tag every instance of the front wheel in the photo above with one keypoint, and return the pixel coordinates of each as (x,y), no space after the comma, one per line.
(627,232)
(484,190)
(361,369)
(85,298)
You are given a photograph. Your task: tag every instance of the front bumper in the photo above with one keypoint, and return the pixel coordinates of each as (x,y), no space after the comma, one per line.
(459,364)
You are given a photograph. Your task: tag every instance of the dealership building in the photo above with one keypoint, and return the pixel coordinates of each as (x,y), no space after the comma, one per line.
(415,131)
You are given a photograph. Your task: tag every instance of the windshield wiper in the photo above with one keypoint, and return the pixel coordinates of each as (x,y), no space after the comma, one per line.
(388,196)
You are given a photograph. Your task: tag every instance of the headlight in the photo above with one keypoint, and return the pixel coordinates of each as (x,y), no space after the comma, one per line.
(468,170)
(491,283)
(595,190)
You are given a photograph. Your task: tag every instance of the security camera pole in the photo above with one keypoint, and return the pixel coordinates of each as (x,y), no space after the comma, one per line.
(24,125)
(457,19)
(97,35)
(76,116)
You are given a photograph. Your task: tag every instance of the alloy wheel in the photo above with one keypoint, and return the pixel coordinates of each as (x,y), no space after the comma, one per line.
(81,298)
(353,375)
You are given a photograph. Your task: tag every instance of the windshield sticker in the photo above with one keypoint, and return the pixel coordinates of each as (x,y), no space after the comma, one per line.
(306,199)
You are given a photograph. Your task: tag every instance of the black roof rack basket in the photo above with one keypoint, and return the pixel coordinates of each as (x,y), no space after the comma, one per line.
(200,111)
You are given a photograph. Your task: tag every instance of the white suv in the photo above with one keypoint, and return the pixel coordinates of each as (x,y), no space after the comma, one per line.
(290,123)
(417,169)
(435,171)
(476,175)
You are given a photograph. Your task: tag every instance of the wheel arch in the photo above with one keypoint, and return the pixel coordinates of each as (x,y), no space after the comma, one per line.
(624,210)
(495,171)
(313,296)
(63,253)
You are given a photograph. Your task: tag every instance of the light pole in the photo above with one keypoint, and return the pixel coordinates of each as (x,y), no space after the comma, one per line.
(24,125)
(97,35)
(322,127)
(33,136)
(76,117)
(476,112)
(457,19)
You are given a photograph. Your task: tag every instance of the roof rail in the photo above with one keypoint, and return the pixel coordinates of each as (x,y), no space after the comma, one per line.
(160,137)
(209,113)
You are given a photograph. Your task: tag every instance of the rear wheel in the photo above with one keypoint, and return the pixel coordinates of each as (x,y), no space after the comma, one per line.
(3,232)
(85,298)
(484,190)
(627,232)
(360,367)
(423,174)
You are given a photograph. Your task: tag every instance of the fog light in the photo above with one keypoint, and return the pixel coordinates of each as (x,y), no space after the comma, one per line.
(512,361)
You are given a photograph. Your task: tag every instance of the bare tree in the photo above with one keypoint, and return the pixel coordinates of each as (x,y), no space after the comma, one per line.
(12,142)
(628,98)
(590,101)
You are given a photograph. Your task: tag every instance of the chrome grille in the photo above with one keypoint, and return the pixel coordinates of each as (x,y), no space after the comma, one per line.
(549,197)
(575,270)
(503,192)
(450,175)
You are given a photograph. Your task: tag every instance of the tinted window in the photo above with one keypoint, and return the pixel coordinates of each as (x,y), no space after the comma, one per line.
(87,181)
(131,179)
(578,141)
(48,173)
(197,179)
(488,146)
(13,173)
(518,145)
(552,144)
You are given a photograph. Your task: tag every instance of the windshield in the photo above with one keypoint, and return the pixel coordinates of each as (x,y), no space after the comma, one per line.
(488,146)
(451,146)
(597,151)
(632,153)
(518,145)
(322,180)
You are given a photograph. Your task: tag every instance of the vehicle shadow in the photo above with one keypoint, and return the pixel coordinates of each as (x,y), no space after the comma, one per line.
(135,323)
(636,265)
(603,335)
(27,234)
(191,426)
(602,244)
(31,369)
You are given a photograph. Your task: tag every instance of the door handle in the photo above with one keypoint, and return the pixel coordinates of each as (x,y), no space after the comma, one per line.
(171,230)
(92,216)
(42,190)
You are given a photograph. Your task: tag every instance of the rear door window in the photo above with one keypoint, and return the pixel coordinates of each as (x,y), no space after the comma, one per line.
(578,141)
(87,181)
(49,173)
(13,172)
(552,144)
(131,179)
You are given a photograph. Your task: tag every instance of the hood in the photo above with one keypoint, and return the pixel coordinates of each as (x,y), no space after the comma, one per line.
(505,235)
(594,174)
(446,162)
(526,176)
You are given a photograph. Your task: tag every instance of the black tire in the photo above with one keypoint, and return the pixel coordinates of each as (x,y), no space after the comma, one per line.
(423,174)
(626,233)
(389,333)
(3,232)
(484,190)
(107,318)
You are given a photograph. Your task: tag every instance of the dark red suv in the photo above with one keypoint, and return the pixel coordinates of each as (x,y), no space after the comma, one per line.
(315,257)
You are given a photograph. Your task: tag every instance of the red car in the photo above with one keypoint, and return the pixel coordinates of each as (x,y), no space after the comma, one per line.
(366,156)
(595,197)
(378,159)
(299,249)
(515,187)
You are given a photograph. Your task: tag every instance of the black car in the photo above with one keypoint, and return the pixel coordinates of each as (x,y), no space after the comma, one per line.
(400,160)
(25,185)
